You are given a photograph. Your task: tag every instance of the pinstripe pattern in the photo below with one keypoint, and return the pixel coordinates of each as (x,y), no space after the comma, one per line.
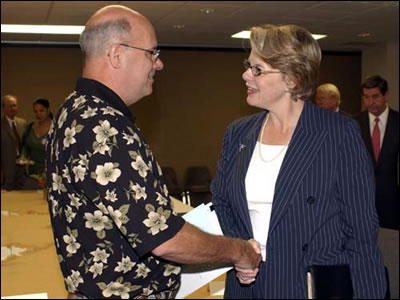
(323,210)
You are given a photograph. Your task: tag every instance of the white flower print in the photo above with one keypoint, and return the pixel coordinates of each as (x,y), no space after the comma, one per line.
(69,214)
(129,138)
(115,215)
(58,186)
(103,208)
(79,172)
(125,265)
(138,191)
(147,291)
(54,205)
(69,137)
(140,166)
(170,282)
(76,278)
(78,102)
(63,117)
(96,221)
(104,131)
(100,255)
(96,100)
(111,196)
(89,112)
(100,147)
(72,245)
(96,269)
(57,153)
(171,269)
(70,286)
(159,168)
(165,189)
(66,174)
(84,160)
(75,201)
(142,271)
(156,222)
(70,95)
(108,110)
(51,129)
(161,200)
(107,173)
(117,289)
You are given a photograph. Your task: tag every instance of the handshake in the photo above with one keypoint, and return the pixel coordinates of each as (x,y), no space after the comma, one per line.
(247,264)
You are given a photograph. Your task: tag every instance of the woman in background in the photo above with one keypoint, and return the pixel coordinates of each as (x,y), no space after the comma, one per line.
(35,137)
(295,177)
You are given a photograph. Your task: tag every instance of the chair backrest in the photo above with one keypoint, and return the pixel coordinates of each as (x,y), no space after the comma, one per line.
(169,175)
(198,179)
(171,180)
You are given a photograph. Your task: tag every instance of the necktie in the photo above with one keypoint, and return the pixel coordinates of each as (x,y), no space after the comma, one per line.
(15,131)
(376,139)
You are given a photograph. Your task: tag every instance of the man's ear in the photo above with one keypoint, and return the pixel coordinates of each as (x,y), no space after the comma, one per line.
(114,56)
(386,96)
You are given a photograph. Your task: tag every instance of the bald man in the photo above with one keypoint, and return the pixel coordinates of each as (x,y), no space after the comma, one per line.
(111,214)
(11,142)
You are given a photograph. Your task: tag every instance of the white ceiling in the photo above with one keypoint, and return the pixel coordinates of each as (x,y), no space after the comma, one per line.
(342,21)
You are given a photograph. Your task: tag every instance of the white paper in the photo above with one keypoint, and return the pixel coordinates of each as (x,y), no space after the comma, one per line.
(28,296)
(195,276)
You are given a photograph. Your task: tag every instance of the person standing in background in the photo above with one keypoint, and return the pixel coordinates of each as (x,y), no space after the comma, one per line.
(328,97)
(12,129)
(380,131)
(35,137)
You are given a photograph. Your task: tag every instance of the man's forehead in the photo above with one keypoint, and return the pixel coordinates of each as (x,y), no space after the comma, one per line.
(372,91)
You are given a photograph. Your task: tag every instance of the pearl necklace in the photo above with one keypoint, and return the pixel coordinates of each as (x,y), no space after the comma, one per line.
(260,142)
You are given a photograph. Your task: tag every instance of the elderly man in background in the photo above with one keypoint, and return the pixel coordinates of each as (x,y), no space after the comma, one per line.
(328,97)
(12,129)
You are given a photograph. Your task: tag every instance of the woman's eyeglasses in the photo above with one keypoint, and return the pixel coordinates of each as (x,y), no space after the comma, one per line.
(255,70)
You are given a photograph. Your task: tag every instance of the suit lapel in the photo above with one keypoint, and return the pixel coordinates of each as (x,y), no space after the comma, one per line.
(388,137)
(303,148)
(367,135)
(6,125)
(246,149)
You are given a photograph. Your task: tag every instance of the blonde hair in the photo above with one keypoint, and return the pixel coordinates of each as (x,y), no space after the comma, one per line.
(292,50)
(330,89)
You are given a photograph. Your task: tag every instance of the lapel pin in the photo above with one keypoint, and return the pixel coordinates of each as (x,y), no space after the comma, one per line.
(241,147)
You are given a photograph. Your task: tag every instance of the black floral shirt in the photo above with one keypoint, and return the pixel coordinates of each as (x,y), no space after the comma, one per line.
(108,203)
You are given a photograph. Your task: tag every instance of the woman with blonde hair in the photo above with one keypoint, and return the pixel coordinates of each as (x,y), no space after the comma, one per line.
(295,177)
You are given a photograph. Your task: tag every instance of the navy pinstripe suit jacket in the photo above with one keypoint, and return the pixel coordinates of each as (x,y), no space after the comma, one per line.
(323,210)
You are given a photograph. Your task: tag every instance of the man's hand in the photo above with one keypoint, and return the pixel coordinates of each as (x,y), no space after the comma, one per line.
(247,267)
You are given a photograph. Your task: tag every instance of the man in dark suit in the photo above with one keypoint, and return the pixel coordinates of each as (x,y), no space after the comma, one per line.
(12,130)
(380,131)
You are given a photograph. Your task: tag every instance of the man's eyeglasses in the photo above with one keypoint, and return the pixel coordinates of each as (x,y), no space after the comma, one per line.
(154,52)
(255,70)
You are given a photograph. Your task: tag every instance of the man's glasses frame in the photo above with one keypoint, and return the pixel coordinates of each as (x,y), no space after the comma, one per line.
(256,70)
(154,52)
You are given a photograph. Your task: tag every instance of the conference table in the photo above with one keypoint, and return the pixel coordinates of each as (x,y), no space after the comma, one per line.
(29,263)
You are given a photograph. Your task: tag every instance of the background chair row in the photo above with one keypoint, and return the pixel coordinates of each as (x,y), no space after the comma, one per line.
(196,184)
